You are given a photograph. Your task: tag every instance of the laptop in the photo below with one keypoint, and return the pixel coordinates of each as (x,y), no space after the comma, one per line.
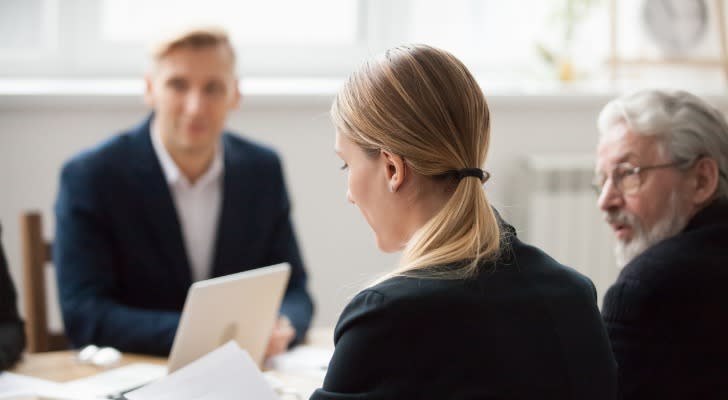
(241,307)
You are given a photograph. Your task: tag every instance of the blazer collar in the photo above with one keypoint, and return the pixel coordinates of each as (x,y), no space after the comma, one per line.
(714,213)
(233,226)
(161,214)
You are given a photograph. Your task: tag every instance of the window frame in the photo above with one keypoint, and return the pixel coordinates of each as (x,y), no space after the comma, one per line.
(73,49)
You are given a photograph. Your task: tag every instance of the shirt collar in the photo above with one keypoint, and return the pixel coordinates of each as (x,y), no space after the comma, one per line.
(170,169)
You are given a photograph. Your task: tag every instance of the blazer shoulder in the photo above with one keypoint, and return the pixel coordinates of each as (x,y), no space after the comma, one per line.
(415,289)
(105,158)
(537,266)
(401,294)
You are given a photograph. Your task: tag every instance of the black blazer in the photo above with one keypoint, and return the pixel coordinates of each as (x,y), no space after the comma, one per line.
(525,327)
(12,336)
(123,271)
(667,314)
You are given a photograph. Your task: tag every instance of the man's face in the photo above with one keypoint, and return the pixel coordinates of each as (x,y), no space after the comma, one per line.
(192,90)
(656,210)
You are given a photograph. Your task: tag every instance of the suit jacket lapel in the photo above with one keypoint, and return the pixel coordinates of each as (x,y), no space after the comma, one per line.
(231,227)
(161,213)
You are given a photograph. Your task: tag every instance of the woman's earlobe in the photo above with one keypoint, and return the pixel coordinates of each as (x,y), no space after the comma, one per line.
(396,169)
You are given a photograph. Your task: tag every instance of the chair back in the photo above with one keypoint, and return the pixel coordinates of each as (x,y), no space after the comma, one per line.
(36,255)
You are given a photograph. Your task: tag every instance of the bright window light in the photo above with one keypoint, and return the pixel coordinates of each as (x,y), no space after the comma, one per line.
(250,22)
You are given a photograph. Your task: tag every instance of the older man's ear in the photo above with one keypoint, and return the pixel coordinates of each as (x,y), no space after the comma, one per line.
(704,181)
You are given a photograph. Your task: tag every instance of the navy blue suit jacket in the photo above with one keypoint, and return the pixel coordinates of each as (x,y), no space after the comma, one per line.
(123,271)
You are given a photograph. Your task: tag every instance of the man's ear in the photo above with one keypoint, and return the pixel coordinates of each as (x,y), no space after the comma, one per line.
(238,97)
(149,90)
(395,170)
(705,180)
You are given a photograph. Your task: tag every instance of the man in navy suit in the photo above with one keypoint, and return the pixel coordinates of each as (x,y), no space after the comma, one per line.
(171,201)
(662,169)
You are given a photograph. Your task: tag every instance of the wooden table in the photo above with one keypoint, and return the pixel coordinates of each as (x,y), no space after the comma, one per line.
(61,366)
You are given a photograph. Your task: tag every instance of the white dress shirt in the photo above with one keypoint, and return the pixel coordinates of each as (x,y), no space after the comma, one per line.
(198,206)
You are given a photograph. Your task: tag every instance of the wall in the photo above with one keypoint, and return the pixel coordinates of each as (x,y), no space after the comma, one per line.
(39,132)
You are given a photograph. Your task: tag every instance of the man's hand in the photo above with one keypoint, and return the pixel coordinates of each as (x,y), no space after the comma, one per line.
(282,335)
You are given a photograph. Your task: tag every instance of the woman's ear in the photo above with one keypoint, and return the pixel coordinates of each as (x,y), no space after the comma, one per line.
(705,180)
(395,170)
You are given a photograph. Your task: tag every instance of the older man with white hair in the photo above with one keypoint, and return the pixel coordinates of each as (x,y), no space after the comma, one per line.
(662,179)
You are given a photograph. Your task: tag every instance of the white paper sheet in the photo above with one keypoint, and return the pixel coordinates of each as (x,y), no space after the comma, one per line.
(225,373)
(306,360)
(116,380)
(15,385)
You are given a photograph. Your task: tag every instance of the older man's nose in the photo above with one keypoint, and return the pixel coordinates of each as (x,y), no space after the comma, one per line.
(610,197)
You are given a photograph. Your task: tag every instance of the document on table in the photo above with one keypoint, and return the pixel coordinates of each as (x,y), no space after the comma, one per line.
(14,385)
(225,373)
(116,380)
(308,360)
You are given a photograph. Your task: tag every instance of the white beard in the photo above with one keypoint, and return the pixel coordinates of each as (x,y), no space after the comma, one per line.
(671,224)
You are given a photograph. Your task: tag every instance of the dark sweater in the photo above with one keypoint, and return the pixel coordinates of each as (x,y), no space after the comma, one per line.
(667,314)
(525,327)
(12,337)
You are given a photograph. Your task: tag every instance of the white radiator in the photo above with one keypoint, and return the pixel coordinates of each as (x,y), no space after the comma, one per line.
(563,218)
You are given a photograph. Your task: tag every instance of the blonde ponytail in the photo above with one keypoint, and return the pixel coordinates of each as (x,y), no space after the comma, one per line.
(465,232)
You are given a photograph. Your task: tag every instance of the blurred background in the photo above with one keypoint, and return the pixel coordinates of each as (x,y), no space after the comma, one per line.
(71,75)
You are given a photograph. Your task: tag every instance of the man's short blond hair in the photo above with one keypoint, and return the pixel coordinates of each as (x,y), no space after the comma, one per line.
(194,38)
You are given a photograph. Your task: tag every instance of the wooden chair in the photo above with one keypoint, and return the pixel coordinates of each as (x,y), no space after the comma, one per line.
(36,254)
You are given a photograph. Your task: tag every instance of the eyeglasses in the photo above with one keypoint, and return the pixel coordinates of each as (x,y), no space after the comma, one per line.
(626,178)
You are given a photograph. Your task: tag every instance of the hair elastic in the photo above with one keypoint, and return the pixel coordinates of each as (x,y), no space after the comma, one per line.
(474,172)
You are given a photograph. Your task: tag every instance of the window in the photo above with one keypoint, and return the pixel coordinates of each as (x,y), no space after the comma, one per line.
(249,22)
(502,38)
(324,38)
(28,33)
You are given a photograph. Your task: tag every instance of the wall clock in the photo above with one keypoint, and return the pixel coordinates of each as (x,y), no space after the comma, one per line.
(675,26)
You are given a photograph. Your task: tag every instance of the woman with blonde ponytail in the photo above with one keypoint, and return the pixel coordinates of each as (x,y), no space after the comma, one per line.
(471,312)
